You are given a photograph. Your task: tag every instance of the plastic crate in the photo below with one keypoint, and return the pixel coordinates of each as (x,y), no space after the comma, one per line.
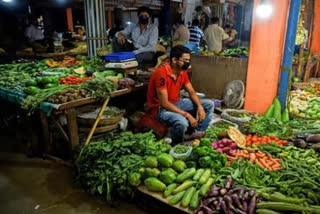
(121,56)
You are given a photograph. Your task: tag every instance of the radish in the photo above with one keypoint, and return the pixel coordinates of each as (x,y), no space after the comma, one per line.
(219,150)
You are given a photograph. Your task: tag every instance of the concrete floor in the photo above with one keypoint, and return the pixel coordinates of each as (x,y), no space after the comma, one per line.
(32,185)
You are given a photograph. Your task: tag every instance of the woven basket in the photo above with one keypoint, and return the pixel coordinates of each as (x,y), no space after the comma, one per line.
(102,122)
(300,85)
(101,129)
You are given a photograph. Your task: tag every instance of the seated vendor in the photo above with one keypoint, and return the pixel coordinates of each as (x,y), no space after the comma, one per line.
(141,38)
(164,98)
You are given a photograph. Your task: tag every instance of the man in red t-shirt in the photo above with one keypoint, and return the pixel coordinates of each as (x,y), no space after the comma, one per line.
(164,97)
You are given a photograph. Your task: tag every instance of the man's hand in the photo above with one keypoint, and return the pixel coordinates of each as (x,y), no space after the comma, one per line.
(193,121)
(121,38)
(201,114)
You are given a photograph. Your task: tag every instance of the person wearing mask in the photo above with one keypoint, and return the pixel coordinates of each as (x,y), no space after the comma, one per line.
(196,33)
(215,36)
(181,34)
(141,38)
(164,101)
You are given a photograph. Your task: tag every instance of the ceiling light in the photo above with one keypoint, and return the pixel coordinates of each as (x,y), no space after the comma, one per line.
(264,9)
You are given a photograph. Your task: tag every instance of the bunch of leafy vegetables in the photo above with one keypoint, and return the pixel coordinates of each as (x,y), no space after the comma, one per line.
(103,167)
(100,88)
(298,178)
(270,127)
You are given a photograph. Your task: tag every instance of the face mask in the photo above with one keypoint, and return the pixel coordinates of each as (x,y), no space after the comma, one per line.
(185,66)
(143,20)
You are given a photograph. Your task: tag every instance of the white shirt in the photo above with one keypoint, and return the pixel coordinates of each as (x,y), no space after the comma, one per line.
(33,33)
(214,36)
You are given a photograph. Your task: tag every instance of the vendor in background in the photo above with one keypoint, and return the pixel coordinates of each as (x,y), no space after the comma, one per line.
(181,34)
(232,41)
(164,98)
(215,36)
(141,38)
(196,33)
(34,35)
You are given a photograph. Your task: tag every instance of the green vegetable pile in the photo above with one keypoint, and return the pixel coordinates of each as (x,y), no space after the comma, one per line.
(100,88)
(171,177)
(206,157)
(180,149)
(104,167)
(299,178)
(262,126)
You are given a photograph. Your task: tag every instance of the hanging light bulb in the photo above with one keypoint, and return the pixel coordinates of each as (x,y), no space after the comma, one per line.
(264,9)
(7,0)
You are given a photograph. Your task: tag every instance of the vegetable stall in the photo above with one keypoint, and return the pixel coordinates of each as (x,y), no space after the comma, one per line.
(271,167)
(63,86)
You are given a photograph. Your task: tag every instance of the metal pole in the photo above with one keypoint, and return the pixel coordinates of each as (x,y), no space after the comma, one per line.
(288,51)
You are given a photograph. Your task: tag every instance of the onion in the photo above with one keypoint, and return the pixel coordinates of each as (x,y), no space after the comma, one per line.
(214,145)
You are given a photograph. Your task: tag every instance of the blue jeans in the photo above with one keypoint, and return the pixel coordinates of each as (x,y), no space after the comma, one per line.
(179,123)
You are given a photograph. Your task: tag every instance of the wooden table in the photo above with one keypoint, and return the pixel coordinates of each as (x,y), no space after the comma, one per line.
(71,110)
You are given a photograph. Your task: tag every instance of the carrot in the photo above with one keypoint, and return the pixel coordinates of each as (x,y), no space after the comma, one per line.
(230,158)
(252,157)
(263,162)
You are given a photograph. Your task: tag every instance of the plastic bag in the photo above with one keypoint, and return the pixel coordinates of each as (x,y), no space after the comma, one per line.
(217,120)
(182,156)
(226,115)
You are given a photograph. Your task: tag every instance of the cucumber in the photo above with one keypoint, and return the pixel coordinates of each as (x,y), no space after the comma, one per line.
(278,197)
(205,187)
(169,190)
(176,198)
(285,116)
(281,206)
(187,197)
(188,173)
(198,174)
(265,211)
(205,176)
(185,185)
(195,200)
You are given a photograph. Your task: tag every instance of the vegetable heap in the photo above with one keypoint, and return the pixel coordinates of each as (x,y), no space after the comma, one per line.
(227,199)
(104,167)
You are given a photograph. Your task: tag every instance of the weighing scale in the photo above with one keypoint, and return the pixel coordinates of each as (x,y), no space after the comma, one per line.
(124,61)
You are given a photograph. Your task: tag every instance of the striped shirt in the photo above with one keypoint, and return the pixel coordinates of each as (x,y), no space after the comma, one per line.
(195,35)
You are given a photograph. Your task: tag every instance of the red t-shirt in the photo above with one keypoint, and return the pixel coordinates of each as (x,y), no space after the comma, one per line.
(163,79)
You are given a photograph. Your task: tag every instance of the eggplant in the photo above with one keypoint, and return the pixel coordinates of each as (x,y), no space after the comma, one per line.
(252,205)
(300,143)
(252,193)
(245,206)
(240,211)
(213,193)
(236,200)
(313,138)
(246,196)
(228,183)
(241,193)
(228,199)
(230,192)
(316,147)
(207,202)
(224,207)
(302,136)
(223,191)
(207,210)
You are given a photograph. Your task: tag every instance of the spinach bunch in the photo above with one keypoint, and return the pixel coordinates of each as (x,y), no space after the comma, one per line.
(103,167)
(270,127)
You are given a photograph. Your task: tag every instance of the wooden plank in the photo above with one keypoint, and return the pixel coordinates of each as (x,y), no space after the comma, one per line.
(159,197)
(46,132)
(71,115)
(75,103)
(211,74)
